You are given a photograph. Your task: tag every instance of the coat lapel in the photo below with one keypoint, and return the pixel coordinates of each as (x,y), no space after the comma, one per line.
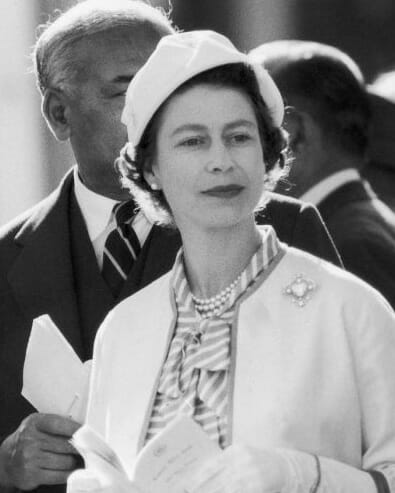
(145,335)
(156,258)
(42,276)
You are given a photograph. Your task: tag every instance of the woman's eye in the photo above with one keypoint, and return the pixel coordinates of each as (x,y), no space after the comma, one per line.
(191,142)
(240,138)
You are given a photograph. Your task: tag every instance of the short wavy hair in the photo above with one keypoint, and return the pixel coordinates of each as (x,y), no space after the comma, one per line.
(53,55)
(133,162)
(326,83)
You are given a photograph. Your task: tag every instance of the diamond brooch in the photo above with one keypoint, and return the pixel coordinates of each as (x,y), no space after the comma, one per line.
(300,290)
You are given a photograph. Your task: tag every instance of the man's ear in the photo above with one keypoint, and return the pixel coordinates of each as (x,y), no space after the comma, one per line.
(303,130)
(54,110)
(295,125)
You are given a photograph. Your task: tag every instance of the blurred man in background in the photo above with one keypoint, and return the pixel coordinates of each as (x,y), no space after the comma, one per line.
(380,168)
(328,121)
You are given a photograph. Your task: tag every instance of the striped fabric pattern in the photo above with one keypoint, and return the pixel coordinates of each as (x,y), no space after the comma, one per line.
(121,249)
(194,378)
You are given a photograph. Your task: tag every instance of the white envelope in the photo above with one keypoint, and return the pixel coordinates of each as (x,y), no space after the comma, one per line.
(54,378)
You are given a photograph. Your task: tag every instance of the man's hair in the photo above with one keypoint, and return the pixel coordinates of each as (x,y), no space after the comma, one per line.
(324,82)
(53,57)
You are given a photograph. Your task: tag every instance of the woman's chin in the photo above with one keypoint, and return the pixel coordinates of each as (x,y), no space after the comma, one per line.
(224,220)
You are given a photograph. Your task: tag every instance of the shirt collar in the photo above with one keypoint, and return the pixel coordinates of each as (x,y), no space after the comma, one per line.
(325,187)
(96,209)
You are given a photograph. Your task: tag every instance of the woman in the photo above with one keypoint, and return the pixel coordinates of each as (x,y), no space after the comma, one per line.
(284,360)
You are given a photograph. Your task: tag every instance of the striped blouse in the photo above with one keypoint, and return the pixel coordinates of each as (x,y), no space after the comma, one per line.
(194,377)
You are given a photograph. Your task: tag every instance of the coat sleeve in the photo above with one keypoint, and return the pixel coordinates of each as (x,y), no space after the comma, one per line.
(371,336)
(373,342)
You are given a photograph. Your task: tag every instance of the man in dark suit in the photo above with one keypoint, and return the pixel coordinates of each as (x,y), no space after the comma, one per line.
(380,168)
(51,257)
(328,124)
(84,62)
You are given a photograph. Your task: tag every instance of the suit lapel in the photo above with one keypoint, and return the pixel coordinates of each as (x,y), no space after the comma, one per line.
(42,276)
(156,258)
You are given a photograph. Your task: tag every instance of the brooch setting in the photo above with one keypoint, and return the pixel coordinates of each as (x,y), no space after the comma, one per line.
(300,290)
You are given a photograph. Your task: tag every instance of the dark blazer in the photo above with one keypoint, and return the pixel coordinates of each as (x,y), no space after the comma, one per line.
(363,229)
(36,277)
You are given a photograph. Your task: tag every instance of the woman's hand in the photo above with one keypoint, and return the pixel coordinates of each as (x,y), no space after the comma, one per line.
(86,481)
(241,469)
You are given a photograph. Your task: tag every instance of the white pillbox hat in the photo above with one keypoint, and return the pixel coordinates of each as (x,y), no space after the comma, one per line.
(176,59)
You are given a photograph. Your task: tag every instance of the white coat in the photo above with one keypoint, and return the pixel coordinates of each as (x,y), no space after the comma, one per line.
(318,378)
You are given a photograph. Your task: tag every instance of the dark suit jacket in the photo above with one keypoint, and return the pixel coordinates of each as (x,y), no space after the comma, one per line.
(36,277)
(363,229)
(380,169)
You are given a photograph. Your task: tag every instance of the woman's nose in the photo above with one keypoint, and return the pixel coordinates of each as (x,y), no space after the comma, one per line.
(219,159)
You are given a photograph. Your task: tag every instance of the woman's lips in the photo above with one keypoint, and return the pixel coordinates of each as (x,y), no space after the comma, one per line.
(224,191)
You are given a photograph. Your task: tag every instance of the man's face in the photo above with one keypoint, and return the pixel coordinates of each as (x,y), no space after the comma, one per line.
(106,62)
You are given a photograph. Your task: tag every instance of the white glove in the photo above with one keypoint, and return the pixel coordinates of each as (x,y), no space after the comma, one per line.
(86,481)
(241,469)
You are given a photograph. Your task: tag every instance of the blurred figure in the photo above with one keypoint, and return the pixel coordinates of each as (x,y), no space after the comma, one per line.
(380,168)
(328,123)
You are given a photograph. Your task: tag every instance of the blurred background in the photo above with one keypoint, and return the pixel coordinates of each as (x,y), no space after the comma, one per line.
(32,162)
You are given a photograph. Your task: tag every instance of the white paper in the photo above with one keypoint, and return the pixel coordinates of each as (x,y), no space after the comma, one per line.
(54,378)
(164,465)
(100,459)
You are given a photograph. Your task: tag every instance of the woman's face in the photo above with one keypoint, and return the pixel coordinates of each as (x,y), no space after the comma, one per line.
(209,158)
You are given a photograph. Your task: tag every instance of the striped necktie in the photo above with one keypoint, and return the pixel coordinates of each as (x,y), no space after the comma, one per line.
(121,249)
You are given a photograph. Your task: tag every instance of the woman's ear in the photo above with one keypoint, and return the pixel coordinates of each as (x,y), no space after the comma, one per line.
(54,110)
(151,178)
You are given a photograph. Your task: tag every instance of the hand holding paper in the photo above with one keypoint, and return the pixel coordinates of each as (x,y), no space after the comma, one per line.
(39,452)
(86,481)
(163,466)
(54,378)
(55,381)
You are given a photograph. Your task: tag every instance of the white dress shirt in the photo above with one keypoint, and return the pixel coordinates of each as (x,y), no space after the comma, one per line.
(316,194)
(97,211)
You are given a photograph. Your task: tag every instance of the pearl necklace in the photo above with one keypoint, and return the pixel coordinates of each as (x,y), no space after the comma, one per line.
(208,307)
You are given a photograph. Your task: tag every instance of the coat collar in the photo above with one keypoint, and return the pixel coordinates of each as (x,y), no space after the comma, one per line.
(42,276)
